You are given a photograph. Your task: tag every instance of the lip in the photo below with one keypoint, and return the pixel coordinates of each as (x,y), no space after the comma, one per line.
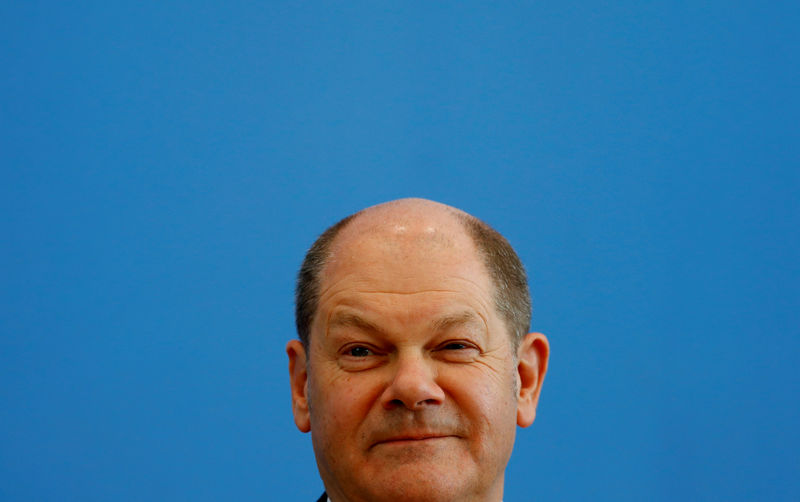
(412,439)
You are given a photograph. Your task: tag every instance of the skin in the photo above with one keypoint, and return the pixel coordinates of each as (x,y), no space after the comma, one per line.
(411,387)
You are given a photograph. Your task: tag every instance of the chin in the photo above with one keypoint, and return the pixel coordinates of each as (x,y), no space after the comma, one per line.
(416,491)
(428,482)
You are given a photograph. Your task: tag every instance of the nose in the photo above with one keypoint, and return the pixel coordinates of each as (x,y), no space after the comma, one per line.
(413,384)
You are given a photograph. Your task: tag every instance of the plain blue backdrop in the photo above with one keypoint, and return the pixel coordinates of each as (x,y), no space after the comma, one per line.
(165,165)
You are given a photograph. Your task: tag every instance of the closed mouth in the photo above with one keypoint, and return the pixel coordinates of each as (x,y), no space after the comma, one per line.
(399,440)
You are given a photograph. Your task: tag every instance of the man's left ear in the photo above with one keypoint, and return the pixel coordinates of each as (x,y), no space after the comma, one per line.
(532,358)
(298,381)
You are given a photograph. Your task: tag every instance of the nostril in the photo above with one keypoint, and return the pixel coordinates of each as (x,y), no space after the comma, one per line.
(412,385)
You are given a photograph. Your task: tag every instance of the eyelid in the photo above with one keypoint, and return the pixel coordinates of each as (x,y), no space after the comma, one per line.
(466,345)
(346,348)
(352,363)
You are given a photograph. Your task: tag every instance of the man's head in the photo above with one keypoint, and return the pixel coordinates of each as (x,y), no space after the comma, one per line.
(414,366)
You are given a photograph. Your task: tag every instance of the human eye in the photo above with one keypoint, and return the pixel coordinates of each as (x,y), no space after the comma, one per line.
(458,350)
(358,351)
(359,356)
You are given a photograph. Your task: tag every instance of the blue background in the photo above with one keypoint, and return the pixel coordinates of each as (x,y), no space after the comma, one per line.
(165,166)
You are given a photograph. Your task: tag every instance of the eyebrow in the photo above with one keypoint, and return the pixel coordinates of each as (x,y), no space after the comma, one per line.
(350,320)
(466,317)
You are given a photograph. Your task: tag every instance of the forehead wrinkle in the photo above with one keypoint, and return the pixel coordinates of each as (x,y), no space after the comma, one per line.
(351,295)
(355,289)
(407,293)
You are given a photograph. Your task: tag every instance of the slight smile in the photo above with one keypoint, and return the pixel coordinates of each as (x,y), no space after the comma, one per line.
(400,440)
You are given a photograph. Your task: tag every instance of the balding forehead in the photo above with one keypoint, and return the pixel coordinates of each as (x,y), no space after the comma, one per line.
(409,210)
(411,205)
(412,219)
(400,228)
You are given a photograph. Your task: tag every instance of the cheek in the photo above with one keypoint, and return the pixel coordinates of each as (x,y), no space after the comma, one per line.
(486,397)
(488,407)
(339,402)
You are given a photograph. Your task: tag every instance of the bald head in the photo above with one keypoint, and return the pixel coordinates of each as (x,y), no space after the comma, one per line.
(406,215)
(407,229)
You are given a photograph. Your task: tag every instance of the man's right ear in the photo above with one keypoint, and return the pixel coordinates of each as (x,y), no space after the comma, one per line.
(298,379)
